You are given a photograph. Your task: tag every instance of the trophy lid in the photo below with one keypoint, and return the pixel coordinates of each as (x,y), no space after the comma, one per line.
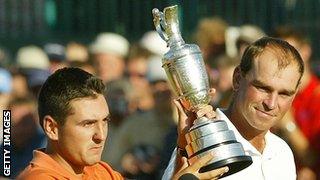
(167,25)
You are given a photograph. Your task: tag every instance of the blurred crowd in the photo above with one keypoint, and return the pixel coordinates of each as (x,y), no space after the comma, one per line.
(142,133)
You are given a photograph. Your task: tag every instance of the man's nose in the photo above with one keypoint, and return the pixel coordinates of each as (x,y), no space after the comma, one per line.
(100,133)
(271,101)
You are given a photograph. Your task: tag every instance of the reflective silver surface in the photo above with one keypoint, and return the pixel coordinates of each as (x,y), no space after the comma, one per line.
(221,152)
(183,63)
(210,140)
(188,78)
(203,130)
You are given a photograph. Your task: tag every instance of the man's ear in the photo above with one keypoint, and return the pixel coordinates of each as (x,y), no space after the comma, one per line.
(236,78)
(50,127)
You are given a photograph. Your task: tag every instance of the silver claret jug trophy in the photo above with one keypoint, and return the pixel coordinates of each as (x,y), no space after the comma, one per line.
(188,78)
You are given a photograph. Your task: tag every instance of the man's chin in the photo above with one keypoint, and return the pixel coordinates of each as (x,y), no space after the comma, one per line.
(93,161)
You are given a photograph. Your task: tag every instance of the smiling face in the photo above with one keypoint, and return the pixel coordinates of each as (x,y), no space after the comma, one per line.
(266,92)
(81,139)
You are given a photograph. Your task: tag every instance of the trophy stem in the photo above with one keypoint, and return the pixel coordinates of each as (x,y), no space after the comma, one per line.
(201,121)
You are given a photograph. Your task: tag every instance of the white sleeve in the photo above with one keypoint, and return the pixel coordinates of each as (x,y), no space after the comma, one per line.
(168,173)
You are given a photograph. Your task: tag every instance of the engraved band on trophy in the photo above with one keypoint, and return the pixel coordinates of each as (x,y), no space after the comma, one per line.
(188,78)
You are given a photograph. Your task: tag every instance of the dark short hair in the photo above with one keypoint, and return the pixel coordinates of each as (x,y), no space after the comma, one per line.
(287,53)
(62,87)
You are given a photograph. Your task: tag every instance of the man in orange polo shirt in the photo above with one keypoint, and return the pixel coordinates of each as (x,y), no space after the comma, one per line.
(74,115)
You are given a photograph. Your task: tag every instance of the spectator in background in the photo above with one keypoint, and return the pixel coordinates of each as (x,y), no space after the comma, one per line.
(34,64)
(150,46)
(210,36)
(152,42)
(29,57)
(78,56)
(76,52)
(19,85)
(109,51)
(26,133)
(118,96)
(137,66)
(301,126)
(57,56)
(141,162)
(224,91)
(247,34)
(149,127)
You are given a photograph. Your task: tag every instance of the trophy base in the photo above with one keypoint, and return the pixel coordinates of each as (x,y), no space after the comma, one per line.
(235,164)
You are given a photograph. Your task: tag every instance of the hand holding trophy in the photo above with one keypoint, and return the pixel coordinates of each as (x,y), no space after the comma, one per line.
(188,78)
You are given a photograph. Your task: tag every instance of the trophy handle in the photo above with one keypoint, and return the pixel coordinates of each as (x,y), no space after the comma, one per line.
(159,23)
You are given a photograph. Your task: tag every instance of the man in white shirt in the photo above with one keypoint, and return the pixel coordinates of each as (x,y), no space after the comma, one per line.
(264,85)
